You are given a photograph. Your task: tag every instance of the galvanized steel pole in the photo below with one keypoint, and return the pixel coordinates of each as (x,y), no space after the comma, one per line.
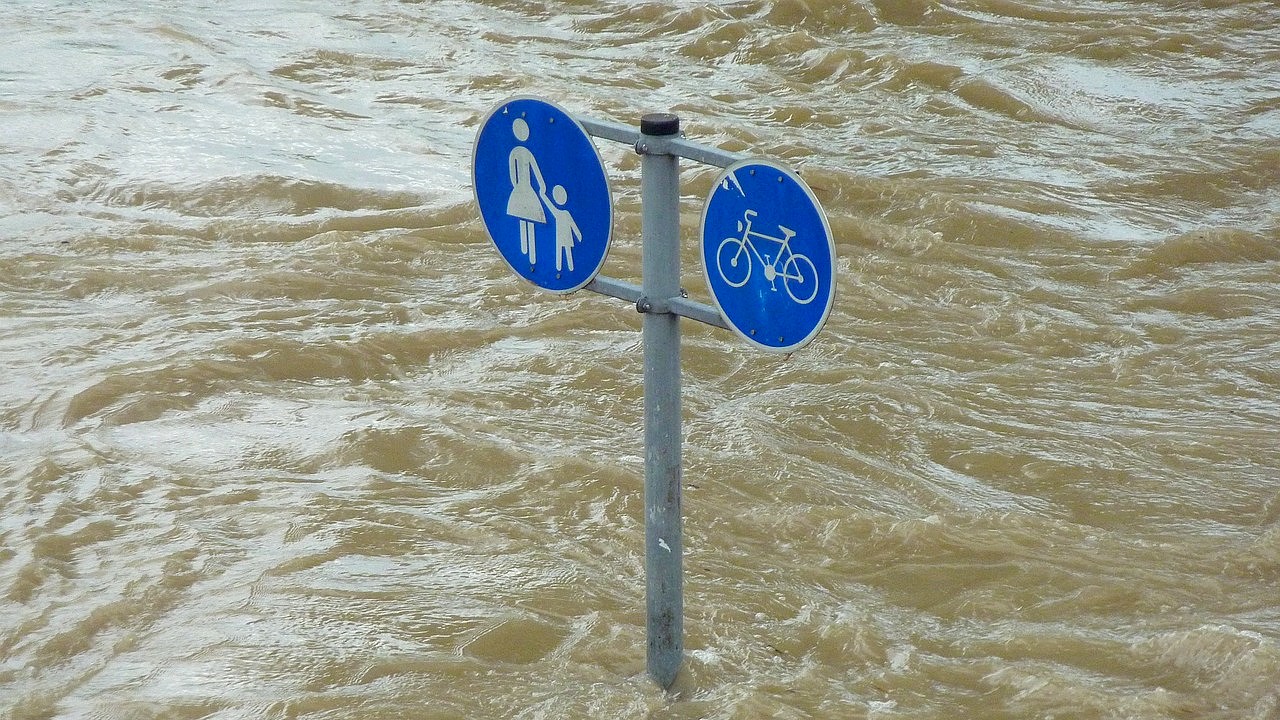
(660,236)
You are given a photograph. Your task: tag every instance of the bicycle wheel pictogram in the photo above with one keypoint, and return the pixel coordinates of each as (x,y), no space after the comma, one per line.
(734,262)
(800,278)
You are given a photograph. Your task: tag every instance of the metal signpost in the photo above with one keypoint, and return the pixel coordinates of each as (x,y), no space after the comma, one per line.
(768,257)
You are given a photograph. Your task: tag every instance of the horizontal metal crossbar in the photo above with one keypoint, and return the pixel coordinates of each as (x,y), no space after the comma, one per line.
(679,305)
(654,145)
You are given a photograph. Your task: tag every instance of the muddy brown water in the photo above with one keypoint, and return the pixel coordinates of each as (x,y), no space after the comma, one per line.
(281,436)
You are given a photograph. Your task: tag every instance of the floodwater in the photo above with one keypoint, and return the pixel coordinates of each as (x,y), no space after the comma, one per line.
(281,436)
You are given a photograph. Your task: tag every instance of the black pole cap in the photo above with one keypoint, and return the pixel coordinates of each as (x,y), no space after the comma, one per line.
(660,124)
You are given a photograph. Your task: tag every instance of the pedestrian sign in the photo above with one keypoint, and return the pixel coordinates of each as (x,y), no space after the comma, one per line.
(768,255)
(543,194)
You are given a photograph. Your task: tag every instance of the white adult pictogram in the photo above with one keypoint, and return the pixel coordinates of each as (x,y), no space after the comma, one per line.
(525,203)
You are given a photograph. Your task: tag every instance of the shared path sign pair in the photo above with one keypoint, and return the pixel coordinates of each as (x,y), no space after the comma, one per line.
(767,250)
(767,255)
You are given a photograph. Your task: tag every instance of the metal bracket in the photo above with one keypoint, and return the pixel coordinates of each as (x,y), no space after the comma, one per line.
(647,305)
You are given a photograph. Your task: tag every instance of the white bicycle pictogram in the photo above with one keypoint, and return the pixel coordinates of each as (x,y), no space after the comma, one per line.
(733,260)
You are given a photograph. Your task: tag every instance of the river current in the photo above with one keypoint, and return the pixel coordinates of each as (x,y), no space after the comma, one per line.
(281,436)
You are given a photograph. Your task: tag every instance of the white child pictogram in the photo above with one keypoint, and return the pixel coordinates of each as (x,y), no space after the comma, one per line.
(567,232)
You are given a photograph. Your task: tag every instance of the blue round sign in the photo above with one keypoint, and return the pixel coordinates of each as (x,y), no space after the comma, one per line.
(768,255)
(543,194)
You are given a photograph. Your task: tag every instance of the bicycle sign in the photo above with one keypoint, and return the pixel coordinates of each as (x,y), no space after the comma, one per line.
(768,255)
